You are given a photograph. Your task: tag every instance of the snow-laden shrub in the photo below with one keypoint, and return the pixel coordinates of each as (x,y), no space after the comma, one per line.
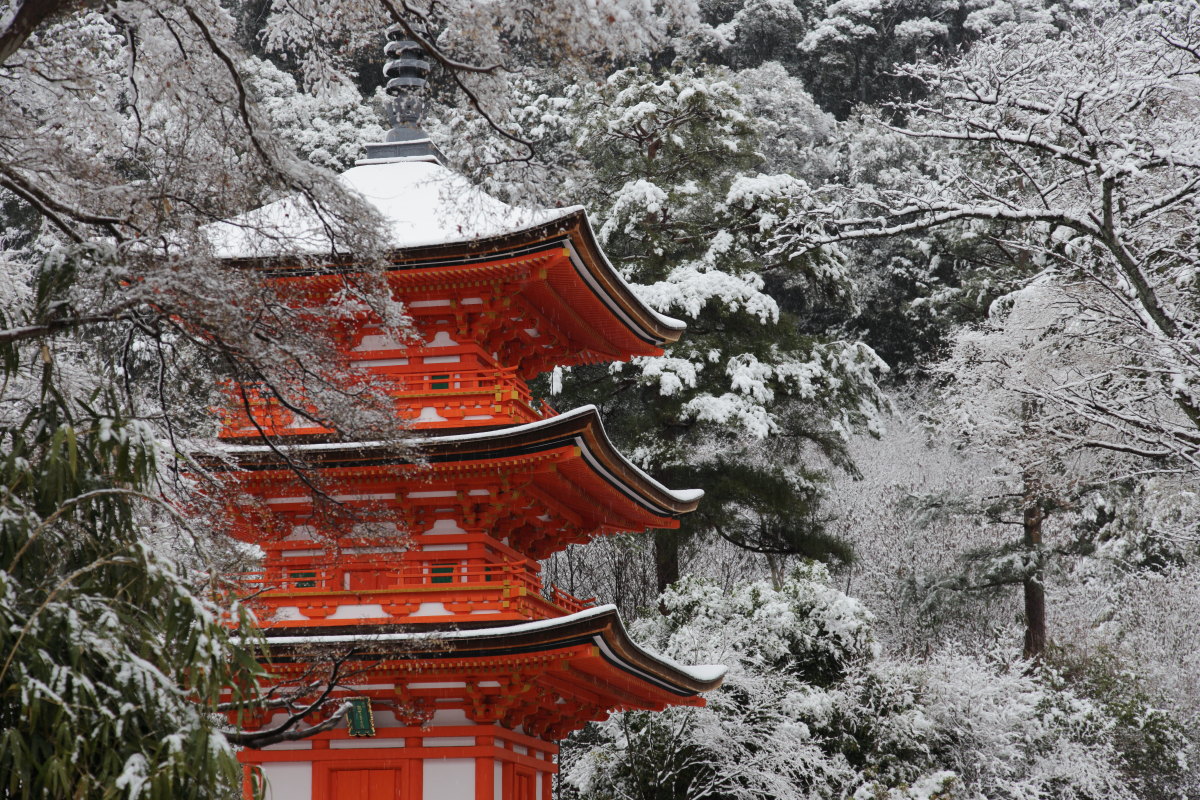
(810,709)
(755,738)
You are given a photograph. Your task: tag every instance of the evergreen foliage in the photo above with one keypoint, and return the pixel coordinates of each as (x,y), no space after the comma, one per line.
(670,165)
(112,660)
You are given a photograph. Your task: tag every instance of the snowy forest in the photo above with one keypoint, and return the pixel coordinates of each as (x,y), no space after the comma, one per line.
(939,262)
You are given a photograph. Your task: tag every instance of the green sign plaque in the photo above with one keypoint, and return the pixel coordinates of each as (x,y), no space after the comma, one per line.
(360,720)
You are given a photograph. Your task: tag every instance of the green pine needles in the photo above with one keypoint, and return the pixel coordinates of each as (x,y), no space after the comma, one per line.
(759,395)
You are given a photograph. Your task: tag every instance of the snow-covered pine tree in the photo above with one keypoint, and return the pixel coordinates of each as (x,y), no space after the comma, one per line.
(751,403)
(853,48)
(847,51)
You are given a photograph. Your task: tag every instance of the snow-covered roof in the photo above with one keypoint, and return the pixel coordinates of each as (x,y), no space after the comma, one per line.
(602,623)
(432,216)
(576,422)
(423,203)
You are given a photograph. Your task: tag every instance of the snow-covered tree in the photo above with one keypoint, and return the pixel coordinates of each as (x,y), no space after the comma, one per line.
(810,709)
(750,403)
(784,649)
(328,128)
(854,48)
(1081,146)
(113,656)
(918,519)
(1071,154)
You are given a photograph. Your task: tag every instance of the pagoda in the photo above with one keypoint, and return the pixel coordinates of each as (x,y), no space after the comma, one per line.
(467,670)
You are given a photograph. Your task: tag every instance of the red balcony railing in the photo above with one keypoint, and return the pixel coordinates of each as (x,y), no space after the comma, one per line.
(454,591)
(456,396)
(302,579)
(569,603)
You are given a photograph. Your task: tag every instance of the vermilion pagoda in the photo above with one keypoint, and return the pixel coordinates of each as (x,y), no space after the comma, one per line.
(498,296)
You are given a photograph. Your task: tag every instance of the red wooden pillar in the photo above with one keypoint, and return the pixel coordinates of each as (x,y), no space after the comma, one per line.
(485,771)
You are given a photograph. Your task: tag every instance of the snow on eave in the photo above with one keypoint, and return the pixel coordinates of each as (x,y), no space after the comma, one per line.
(425,206)
(617,646)
(685,500)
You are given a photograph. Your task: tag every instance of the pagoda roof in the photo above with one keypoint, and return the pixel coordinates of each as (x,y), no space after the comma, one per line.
(424,204)
(580,427)
(437,221)
(600,627)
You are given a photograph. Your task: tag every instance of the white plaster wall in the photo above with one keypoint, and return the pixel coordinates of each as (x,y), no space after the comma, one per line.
(366,611)
(377,341)
(430,610)
(277,719)
(444,525)
(387,719)
(288,780)
(449,779)
(302,745)
(367,742)
(441,684)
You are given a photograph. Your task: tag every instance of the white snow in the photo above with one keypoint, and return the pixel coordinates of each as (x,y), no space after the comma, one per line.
(680,495)
(701,672)
(422,203)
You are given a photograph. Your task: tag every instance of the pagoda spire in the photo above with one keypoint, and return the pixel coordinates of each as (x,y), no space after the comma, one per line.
(406,72)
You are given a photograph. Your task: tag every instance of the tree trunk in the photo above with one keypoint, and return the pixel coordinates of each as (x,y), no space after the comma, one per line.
(1035,590)
(666,559)
(776,567)
(29,15)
